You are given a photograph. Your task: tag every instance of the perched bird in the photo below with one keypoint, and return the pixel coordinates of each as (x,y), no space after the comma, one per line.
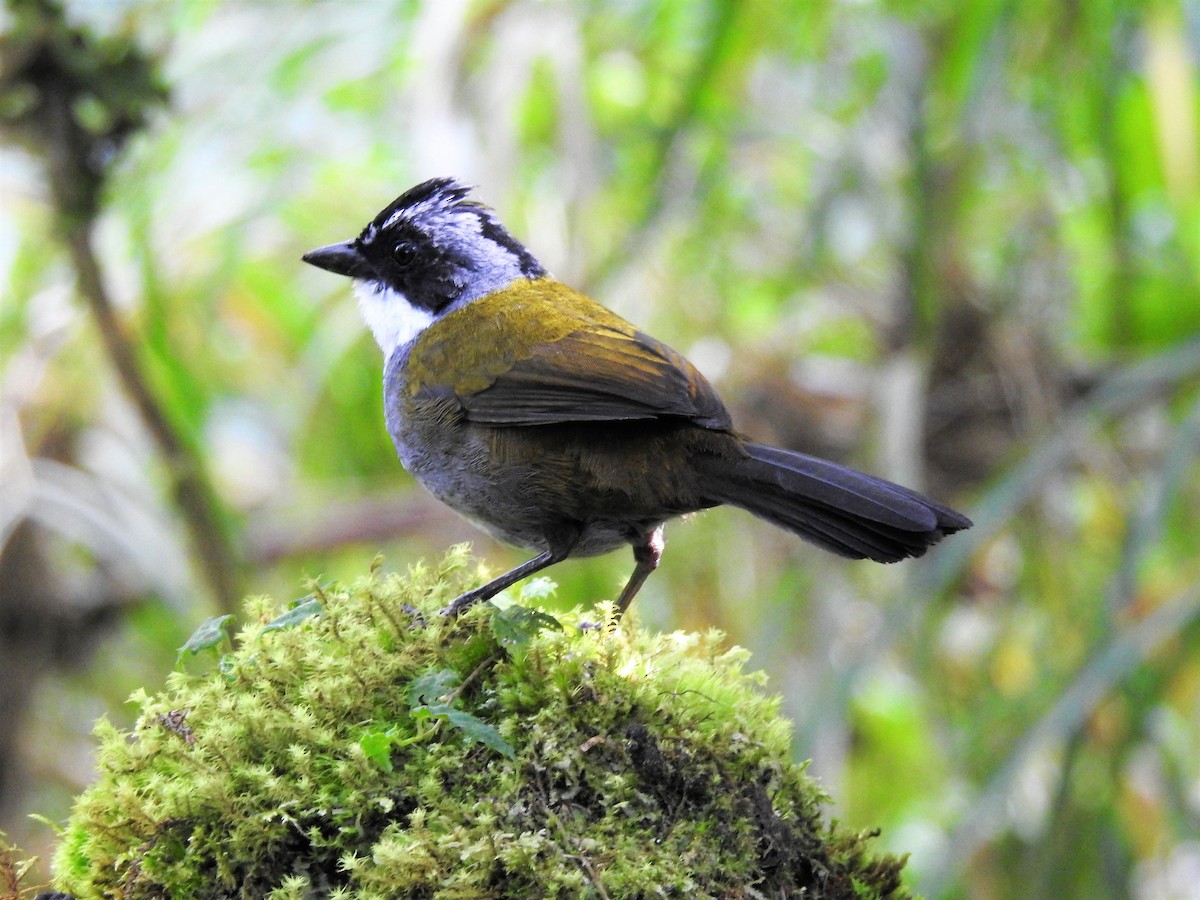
(555,425)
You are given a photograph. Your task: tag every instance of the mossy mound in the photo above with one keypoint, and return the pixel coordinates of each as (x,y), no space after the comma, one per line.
(361,745)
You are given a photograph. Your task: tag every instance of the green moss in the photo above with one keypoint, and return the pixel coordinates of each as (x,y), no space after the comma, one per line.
(380,750)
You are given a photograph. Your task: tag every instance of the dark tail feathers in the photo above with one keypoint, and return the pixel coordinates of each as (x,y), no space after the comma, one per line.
(842,510)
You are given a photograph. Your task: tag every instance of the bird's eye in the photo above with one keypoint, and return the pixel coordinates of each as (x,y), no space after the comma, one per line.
(404,254)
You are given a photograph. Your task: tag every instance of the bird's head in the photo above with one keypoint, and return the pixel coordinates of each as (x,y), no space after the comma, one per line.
(429,250)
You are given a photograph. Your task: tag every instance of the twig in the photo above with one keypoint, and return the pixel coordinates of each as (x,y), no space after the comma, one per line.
(190,488)
(475,673)
(57,64)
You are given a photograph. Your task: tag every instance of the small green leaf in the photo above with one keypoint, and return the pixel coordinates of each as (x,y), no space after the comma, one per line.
(377,746)
(428,694)
(299,611)
(517,625)
(432,686)
(476,730)
(209,635)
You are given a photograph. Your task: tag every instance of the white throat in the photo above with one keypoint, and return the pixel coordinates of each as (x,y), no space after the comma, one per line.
(392,319)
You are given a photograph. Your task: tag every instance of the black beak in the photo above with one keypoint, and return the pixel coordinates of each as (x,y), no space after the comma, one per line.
(340,259)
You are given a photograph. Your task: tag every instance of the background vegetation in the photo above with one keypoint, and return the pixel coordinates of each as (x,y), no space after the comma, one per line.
(955,243)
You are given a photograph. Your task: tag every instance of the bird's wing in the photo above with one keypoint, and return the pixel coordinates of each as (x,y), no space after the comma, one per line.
(552,356)
(597,375)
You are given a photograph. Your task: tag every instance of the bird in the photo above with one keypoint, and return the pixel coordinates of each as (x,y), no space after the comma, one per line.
(557,426)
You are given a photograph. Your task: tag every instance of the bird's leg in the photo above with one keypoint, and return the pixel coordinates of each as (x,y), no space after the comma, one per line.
(646,553)
(496,585)
(560,547)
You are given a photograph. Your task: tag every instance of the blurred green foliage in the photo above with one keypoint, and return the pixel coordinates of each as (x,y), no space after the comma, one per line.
(954,243)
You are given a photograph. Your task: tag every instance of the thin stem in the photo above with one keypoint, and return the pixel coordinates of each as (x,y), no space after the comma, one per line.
(189,484)
(475,673)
